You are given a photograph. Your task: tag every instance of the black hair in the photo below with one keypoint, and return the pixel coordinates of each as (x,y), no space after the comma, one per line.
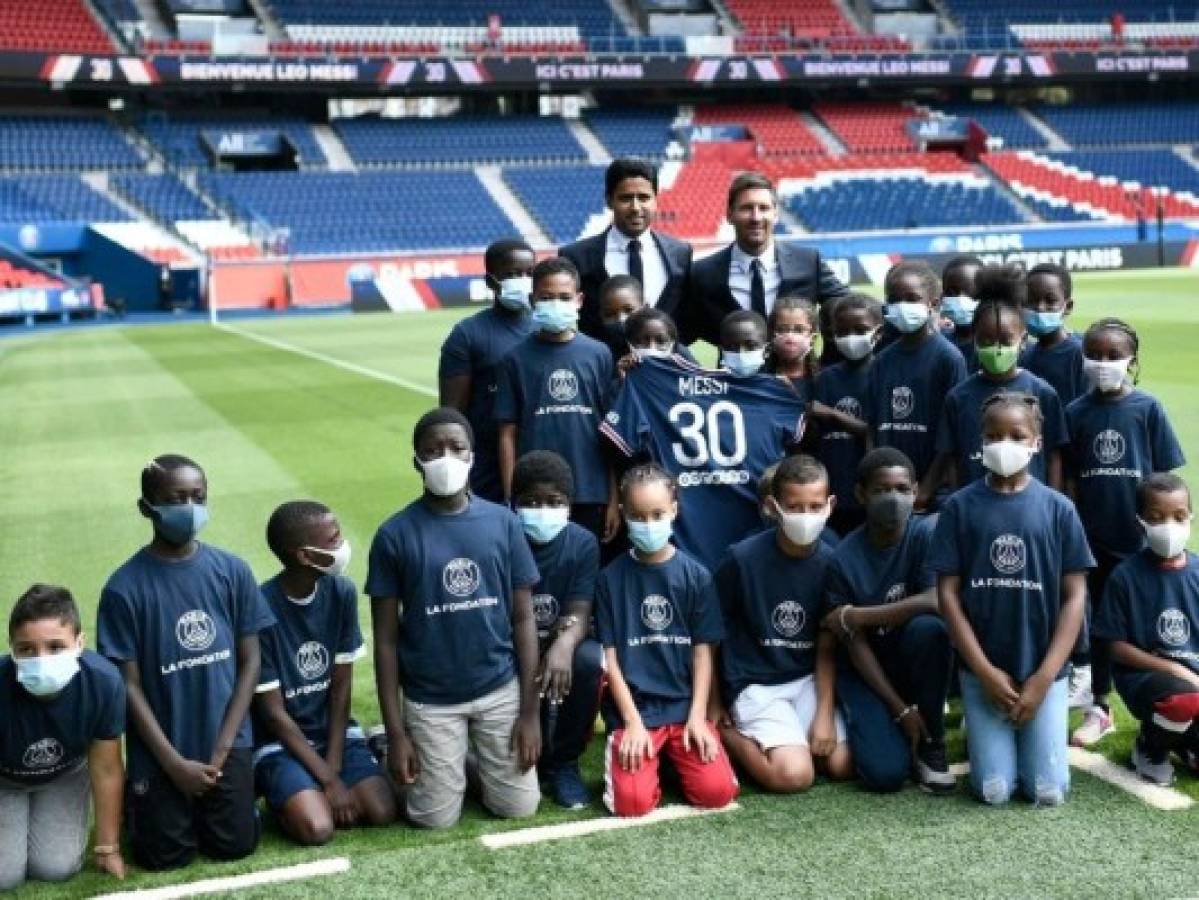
(621,283)
(960,262)
(1111,323)
(44,601)
(797,469)
(742,315)
(155,473)
(442,415)
(636,323)
(629,167)
(1001,284)
(997,311)
(542,467)
(922,270)
(555,265)
(500,250)
(1015,400)
(286,528)
(1160,483)
(647,473)
(884,458)
(855,301)
(1053,270)
(808,308)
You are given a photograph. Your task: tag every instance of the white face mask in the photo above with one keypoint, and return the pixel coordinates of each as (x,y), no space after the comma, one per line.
(1106,374)
(1006,458)
(515,292)
(653,352)
(45,676)
(856,346)
(802,529)
(341,558)
(446,475)
(1168,539)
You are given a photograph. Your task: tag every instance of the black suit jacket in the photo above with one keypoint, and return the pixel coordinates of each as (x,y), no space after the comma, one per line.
(710,300)
(588,257)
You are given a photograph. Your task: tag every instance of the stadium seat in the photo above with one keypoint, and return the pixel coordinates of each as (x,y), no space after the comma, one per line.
(643,132)
(776,129)
(869,127)
(35,199)
(163,197)
(179,137)
(71,143)
(13,276)
(1109,124)
(1000,121)
(59,26)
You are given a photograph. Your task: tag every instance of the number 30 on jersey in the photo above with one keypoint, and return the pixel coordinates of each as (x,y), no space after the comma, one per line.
(699,434)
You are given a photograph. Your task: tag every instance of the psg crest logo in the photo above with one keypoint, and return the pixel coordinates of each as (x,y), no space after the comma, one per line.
(850,406)
(1173,627)
(312,659)
(545,610)
(903,401)
(788,618)
(1008,554)
(896,592)
(1109,446)
(564,385)
(656,612)
(461,577)
(195,630)
(43,754)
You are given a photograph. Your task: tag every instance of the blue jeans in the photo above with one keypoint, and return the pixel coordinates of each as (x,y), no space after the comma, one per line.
(1004,757)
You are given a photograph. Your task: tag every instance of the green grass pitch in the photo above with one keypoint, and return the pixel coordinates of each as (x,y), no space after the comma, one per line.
(83,410)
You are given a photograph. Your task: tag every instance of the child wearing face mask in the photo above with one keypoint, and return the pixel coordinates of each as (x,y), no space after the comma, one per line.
(658,618)
(311,760)
(651,334)
(958,304)
(181,620)
(568,676)
(63,710)
(1055,353)
(884,610)
(791,329)
(553,394)
(619,298)
(777,665)
(999,335)
(1011,560)
(1119,435)
(1150,616)
(450,579)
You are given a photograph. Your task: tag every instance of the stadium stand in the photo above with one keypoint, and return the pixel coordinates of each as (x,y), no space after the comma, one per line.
(1073,24)
(53,198)
(63,26)
(644,132)
(64,143)
(777,130)
(694,205)
(561,200)
(179,137)
(1085,125)
(1004,122)
(869,127)
(768,25)
(1055,209)
(1146,167)
(459,139)
(164,197)
(122,11)
(14,276)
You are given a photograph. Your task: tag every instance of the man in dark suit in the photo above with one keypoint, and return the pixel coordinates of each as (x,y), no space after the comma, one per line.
(753,271)
(630,246)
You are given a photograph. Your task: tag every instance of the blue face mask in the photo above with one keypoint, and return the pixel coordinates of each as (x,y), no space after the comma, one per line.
(959,310)
(650,537)
(542,524)
(514,293)
(555,316)
(1040,323)
(45,676)
(743,363)
(178,523)
(907,317)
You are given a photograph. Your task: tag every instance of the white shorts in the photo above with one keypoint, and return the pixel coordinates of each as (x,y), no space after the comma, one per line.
(780,715)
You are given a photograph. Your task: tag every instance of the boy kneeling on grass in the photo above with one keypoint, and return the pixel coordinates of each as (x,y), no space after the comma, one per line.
(311,761)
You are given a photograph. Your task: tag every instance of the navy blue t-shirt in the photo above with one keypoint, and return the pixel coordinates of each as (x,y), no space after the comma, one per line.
(1114,444)
(475,347)
(716,433)
(861,574)
(772,605)
(1011,551)
(967,348)
(960,429)
(568,565)
(653,614)
(1154,609)
(300,650)
(843,387)
(557,395)
(905,395)
(44,738)
(1060,365)
(454,576)
(180,621)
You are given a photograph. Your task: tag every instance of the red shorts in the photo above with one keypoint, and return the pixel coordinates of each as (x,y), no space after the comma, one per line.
(706,785)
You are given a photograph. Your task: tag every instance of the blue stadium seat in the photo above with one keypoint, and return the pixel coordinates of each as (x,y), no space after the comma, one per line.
(561,199)
(64,142)
(179,138)
(1056,212)
(1112,124)
(1000,121)
(634,132)
(460,139)
(35,199)
(864,204)
(1150,168)
(165,197)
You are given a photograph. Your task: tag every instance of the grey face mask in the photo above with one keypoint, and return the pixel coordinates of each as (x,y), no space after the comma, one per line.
(890,510)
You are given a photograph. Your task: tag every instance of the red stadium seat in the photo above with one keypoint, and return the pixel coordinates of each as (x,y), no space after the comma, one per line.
(61,26)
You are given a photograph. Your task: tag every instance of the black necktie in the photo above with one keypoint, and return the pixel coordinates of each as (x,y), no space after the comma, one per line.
(757,289)
(635,267)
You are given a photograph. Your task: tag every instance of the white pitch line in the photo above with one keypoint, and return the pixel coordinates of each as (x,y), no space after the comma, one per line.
(332,866)
(1104,769)
(353,368)
(524,836)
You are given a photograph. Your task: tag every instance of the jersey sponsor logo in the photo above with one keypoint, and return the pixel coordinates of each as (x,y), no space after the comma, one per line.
(1173,627)
(43,754)
(788,618)
(895,593)
(850,406)
(312,660)
(1109,446)
(564,385)
(1008,554)
(656,612)
(903,401)
(195,630)
(545,610)
(461,577)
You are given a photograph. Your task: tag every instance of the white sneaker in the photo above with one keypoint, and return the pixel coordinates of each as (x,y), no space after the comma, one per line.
(1096,725)
(1159,771)
(1079,691)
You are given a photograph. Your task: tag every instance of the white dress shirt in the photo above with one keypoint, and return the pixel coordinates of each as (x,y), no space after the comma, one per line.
(741,276)
(653,266)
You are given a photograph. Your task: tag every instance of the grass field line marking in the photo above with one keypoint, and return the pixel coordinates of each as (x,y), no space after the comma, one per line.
(1104,769)
(353,368)
(523,836)
(333,866)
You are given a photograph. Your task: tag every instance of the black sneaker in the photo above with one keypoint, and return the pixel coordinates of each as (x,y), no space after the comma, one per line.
(932,768)
(376,740)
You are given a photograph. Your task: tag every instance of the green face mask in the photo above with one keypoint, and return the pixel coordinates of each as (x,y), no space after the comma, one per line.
(997,359)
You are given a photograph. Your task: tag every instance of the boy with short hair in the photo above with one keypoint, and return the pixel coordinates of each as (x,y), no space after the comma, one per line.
(958,302)
(619,297)
(1056,352)
(311,762)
